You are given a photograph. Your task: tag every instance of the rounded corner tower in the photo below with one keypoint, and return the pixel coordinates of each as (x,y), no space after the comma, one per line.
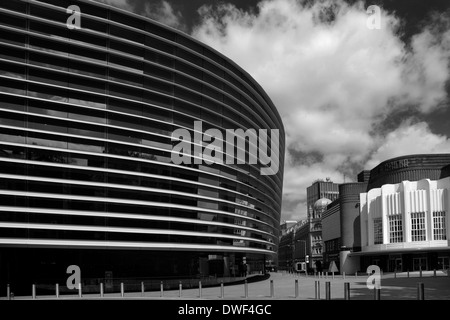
(86,176)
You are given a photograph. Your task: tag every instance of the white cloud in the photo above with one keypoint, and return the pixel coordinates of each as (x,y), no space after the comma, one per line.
(164,13)
(409,138)
(333,80)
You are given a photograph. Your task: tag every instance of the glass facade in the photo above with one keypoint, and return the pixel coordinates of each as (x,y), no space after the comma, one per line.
(86,117)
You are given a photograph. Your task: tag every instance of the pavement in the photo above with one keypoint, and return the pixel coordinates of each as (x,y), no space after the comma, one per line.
(398,286)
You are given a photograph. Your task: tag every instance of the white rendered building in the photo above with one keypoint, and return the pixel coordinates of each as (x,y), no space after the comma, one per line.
(405,226)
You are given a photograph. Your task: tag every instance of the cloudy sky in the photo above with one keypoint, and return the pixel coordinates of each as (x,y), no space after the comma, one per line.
(350,96)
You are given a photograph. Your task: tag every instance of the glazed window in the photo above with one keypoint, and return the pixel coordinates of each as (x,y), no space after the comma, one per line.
(48,13)
(125,92)
(48,61)
(156,71)
(126,48)
(125,77)
(12,103)
(395,228)
(85,37)
(12,119)
(418,231)
(12,37)
(52,30)
(12,70)
(159,58)
(188,69)
(89,23)
(439,228)
(11,53)
(188,95)
(44,76)
(61,48)
(188,82)
(11,20)
(15,5)
(83,53)
(158,114)
(88,100)
(158,85)
(124,33)
(160,31)
(88,69)
(126,20)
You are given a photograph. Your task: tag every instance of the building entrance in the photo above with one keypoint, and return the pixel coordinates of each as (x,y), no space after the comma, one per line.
(419,264)
(395,264)
(443,263)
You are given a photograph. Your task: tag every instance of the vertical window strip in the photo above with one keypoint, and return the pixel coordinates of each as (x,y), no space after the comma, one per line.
(418,232)
(395,228)
(439,229)
(378,230)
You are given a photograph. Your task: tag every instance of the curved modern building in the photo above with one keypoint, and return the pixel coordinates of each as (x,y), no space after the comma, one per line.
(86,177)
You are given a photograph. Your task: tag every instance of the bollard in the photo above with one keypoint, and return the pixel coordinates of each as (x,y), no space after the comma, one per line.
(296,288)
(221,289)
(162,289)
(420,291)
(434,273)
(33,291)
(272,293)
(142,288)
(101,290)
(246,288)
(122,291)
(346,290)
(79,291)
(8,292)
(180,289)
(57,290)
(199,289)
(377,294)
(328,290)
(356,274)
(317,290)
(408,273)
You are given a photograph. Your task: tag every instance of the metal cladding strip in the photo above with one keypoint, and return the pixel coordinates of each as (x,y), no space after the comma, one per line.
(130,216)
(140,174)
(126,245)
(114,141)
(43,226)
(249,99)
(125,187)
(126,201)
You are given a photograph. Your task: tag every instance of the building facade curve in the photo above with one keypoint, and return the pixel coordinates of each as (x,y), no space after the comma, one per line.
(87,176)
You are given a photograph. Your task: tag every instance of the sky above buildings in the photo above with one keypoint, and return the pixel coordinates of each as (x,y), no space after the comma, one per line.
(350,97)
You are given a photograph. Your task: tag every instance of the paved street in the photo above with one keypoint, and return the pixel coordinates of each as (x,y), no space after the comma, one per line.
(393,287)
